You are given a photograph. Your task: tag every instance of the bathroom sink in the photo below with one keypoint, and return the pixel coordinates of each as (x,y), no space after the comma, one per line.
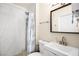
(62,50)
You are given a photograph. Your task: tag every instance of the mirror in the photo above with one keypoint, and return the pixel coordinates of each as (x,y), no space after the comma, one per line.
(62,20)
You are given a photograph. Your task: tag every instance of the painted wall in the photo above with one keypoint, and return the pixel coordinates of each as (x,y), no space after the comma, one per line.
(44,28)
(12,29)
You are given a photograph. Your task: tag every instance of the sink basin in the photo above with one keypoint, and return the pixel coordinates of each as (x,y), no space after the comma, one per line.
(62,50)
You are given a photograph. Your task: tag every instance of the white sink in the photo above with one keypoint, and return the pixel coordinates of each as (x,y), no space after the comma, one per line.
(62,50)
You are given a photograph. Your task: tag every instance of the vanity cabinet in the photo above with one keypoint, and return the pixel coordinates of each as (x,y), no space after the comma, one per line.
(51,52)
(55,49)
(47,52)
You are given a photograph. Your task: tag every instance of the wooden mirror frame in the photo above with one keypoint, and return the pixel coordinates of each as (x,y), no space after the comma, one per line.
(51,20)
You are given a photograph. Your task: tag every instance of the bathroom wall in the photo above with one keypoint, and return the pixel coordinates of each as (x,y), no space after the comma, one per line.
(44,28)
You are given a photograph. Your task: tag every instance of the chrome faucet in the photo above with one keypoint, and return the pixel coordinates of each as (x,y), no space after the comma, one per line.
(63,42)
